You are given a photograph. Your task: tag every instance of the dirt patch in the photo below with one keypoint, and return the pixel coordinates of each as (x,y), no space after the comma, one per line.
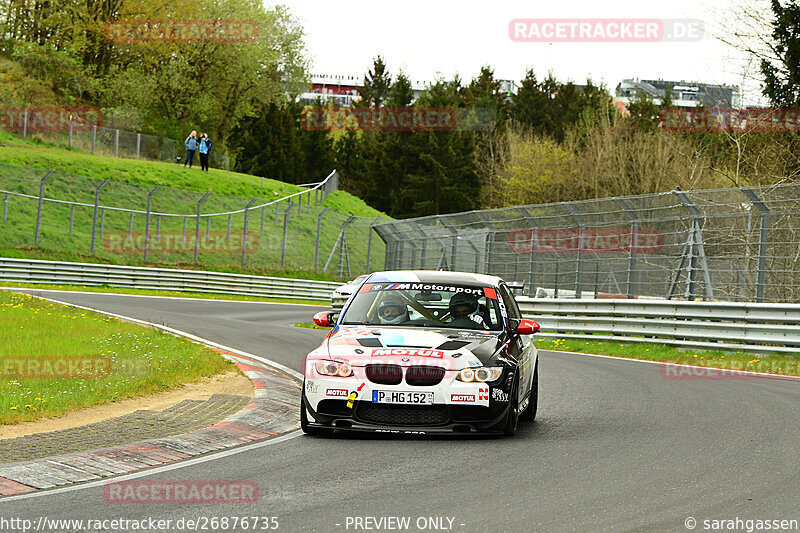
(232,382)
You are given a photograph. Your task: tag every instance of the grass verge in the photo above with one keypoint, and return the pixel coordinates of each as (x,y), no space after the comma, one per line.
(56,359)
(309,325)
(153,292)
(779,364)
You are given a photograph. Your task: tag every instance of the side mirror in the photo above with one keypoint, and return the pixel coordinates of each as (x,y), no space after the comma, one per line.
(527,327)
(324,319)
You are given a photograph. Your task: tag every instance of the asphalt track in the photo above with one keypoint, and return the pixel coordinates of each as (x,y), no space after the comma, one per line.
(616,446)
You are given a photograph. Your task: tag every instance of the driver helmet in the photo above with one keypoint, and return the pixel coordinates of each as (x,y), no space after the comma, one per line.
(462,305)
(393,311)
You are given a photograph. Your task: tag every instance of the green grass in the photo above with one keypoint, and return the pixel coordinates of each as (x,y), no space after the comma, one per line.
(760,362)
(265,225)
(131,360)
(154,292)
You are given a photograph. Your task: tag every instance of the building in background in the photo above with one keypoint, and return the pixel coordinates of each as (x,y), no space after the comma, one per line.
(684,94)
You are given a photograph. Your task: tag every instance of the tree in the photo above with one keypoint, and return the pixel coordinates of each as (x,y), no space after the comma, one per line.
(377,83)
(782,73)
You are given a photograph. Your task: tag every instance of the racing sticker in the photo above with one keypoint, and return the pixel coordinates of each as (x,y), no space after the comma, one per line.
(499,395)
(483,393)
(337,393)
(476,291)
(312,387)
(490,293)
(462,398)
(409,352)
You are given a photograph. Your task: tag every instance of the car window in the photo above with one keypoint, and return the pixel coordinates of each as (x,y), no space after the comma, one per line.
(511,304)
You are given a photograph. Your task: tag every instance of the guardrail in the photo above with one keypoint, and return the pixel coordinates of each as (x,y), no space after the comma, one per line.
(52,272)
(749,327)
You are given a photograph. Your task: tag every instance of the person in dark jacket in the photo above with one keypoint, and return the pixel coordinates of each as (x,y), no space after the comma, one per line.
(191,148)
(205,148)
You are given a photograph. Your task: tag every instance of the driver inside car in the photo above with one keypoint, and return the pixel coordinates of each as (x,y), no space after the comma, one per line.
(393,311)
(461,307)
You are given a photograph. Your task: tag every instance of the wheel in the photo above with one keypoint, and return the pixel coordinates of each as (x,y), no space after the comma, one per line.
(512,418)
(307,429)
(529,414)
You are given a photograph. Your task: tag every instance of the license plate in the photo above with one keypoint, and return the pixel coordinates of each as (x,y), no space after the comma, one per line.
(414,398)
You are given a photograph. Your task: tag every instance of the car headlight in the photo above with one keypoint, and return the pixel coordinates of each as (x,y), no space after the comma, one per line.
(481,374)
(332,368)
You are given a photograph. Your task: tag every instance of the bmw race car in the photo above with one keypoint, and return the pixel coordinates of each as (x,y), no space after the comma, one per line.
(422,352)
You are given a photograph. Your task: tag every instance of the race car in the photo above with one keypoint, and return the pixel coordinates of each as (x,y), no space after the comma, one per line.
(423,352)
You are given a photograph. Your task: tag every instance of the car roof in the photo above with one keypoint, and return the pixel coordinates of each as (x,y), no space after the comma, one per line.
(435,276)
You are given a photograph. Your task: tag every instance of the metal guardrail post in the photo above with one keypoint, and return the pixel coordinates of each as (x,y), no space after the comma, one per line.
(41,203)
(286,215)
(69,140)
(695,249)
(244,232)
(197,227)
(319,229)
(147,223)
(116,144)
(369,242)
(763,241)
(582,228)
(5,209)
(138,144)
(344,252)
(631,292)
(71,217)
(25,125)
(453,242)
(94,135)
(532,265)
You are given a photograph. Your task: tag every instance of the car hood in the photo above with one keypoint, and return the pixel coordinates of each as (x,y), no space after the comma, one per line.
(359,345)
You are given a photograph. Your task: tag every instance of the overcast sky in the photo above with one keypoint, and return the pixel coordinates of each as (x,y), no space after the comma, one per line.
(429,37)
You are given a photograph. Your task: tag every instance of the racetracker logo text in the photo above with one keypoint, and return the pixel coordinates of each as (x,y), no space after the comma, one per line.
(605,30)
(643,241)
(185,31)
(35,119)
(169,242)
(181,492)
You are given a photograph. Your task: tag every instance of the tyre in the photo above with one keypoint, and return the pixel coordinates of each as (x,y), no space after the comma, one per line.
(307,429)
(529,414)
(512,418)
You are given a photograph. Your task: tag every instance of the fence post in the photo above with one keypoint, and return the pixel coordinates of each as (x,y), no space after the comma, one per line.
(5,209)
(454,242)
(41,203)
(138,144)
(102,221)
(369,243)
(197,227)
(308,202)
(71,217)
(69,142)
(763,241)
(147,222)
(263,213)
(116,144)
(579,267)
(185,219)
(532,264)
(244,232)
(285,229)
(130,225)
(632,253)
(96,207)
(695,249)
(25,125)
(158,228)
(319,228)
(94,135)
(229,222)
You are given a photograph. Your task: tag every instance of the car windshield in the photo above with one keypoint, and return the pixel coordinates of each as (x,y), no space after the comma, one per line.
(425,305)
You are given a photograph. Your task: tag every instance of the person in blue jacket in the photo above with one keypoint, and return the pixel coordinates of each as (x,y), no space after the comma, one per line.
(205,147)
(191,148)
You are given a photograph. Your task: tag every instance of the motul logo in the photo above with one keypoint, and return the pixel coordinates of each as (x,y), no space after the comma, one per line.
(483,394)
(462,398)
(411,352)
(337,392)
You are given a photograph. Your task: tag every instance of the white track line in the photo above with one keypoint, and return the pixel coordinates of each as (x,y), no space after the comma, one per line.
(17,289)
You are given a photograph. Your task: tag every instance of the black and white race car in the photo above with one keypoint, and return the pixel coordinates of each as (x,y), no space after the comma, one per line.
(422,352)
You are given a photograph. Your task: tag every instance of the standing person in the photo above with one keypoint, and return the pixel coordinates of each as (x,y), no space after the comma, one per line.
(205,147)
(191,148)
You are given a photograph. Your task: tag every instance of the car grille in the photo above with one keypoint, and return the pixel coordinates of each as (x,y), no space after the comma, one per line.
(385,374)
(403,415)
(424,376)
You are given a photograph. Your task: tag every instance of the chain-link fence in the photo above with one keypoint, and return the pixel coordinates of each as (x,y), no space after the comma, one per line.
(138,224)
(114,142)
(726,244)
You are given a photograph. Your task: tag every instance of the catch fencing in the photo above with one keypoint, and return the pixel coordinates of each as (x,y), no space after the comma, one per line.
(114,142)
(138,224)
(739,245)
